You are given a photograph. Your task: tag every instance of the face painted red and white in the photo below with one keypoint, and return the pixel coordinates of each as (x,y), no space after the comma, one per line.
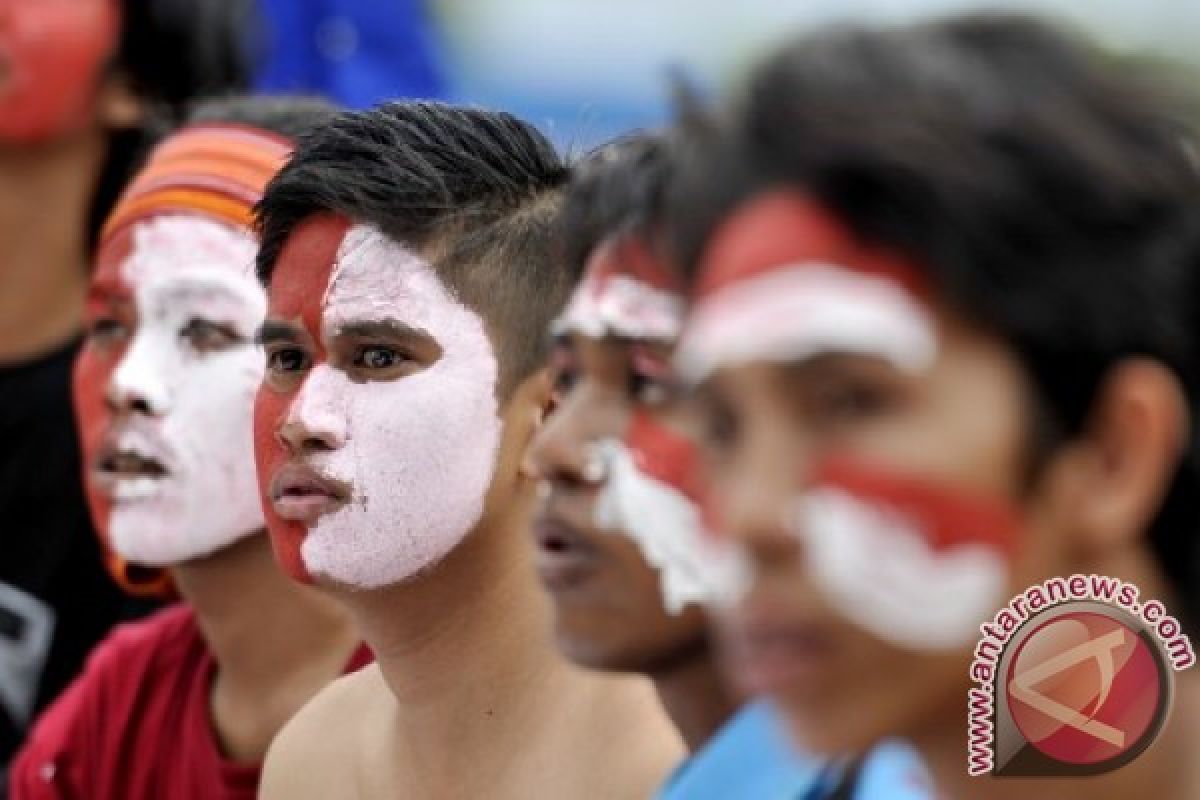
(377,427)
(51,56)
(164,389)
(630,302)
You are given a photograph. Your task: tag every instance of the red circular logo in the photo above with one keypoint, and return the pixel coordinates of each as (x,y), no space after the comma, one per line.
(1085,688)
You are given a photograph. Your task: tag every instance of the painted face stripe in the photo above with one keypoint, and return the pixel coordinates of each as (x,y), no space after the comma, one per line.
(665,455)
(799,311)
(298,286)
(626,292)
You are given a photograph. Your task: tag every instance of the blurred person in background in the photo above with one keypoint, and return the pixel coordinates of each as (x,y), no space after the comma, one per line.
(409,257)
(621,545)
(945,336)
(83,85)
(183,704)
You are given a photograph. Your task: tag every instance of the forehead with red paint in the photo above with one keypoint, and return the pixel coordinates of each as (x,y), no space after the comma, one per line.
(302,271)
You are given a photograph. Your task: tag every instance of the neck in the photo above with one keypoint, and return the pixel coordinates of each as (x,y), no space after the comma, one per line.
(274,641)
(479,606)
(44,206)
(694,696)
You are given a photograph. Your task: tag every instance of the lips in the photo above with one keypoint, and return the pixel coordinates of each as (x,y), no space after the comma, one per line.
(565,555)
(126,471)
(301,494)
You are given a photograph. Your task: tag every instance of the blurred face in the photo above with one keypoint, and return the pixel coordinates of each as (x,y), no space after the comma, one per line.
(51,56)
(618,531)
(376,430)
(866,450)
(164,388)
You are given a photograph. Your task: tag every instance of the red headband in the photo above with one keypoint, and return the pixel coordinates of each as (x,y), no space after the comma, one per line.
(218,170)
(784,228)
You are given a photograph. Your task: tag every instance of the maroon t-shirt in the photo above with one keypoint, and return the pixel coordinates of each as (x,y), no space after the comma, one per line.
(135,724)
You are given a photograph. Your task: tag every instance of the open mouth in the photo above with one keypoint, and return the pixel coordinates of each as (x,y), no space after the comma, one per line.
(130,464)
(127,474)
(302,494)
(565,556)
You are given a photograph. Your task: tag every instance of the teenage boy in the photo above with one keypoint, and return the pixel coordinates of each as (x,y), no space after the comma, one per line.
(408,254)
(944,331)
(620,539)
(184,703)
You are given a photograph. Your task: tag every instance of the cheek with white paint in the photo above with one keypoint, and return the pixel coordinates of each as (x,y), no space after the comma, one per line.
(668,529)
(197,403)
(419,451)
(797,312)
(911,573)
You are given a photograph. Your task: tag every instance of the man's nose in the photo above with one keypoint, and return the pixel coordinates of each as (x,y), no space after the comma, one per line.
(317,418)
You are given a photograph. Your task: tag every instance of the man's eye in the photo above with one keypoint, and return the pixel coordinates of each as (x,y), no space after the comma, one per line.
(287,359)
(206,336)
(835,401)
(378,358)
(106,330)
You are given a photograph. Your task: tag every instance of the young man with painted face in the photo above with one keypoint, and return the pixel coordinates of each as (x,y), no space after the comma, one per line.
(944,331)
(409,257)
(184,703)
(83,84)
(621,546)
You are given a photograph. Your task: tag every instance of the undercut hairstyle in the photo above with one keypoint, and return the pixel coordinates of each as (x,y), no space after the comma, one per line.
(616,189)
(1051,191)
(476,192)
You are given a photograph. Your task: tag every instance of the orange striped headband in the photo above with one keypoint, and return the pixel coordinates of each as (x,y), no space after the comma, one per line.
(219,170)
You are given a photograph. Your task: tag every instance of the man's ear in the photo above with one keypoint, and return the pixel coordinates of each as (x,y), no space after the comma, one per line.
(1110,483)
(542,399)
(118,106)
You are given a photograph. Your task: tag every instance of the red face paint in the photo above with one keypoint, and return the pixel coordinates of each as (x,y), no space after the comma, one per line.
(93,370)
(51,56)
(665,455)
(296,295)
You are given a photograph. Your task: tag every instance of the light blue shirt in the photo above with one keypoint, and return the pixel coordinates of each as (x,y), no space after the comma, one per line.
(751,758)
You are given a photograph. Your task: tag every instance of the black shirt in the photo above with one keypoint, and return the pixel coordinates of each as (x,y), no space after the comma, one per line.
(56,600)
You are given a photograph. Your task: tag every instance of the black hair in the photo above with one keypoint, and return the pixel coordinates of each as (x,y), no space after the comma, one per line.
(1051,191)
(171,51)
(289,116)
(476,191)
(616,189)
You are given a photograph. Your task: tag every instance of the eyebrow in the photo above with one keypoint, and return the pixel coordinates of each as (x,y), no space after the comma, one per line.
(381,329)
(271,331)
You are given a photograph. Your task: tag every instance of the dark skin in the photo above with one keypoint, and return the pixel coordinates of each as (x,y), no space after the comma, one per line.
(608,605)
(964,423)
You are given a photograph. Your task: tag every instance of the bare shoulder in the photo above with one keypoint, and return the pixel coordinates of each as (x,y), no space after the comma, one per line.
(315,755)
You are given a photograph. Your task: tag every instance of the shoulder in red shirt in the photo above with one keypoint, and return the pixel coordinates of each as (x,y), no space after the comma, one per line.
(135,725)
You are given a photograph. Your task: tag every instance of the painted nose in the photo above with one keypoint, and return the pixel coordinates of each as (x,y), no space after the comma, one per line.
(139,384)
(316,420)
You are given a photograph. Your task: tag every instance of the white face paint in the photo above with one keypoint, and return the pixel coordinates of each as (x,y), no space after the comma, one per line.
(794,313)
(621,305)
(186,273)
(876,567)
(667,527)
(418,452)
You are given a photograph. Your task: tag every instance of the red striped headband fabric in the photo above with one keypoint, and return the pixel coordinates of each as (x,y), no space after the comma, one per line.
(217,170)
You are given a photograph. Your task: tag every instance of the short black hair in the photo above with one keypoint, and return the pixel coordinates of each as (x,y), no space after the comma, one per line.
(616,189)
(170,52)
(1051,190)
(476,191)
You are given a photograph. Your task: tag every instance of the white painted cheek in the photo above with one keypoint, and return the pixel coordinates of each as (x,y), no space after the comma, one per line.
(419,451)
(882,574)
(667,528)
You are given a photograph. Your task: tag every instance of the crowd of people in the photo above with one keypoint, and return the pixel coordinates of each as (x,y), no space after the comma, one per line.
(438,465)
